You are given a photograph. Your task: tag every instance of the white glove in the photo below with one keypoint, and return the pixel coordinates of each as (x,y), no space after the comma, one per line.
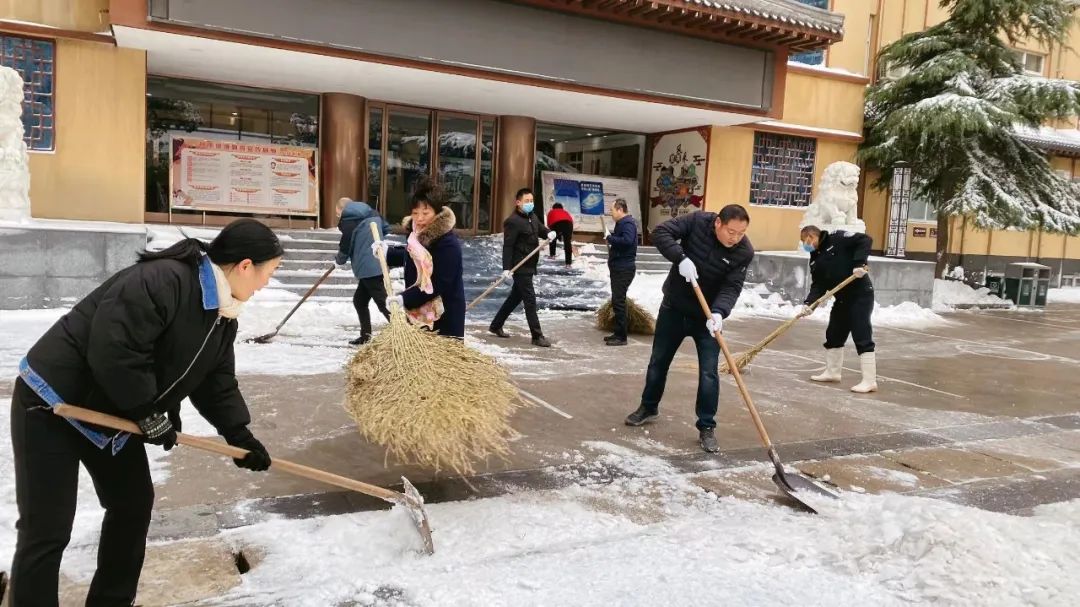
(859,272)
(804,310)
(379,246)
(507,276)
(394,300)
(551,235)
(715,324)
(342,266)
(607,232)
(688,270)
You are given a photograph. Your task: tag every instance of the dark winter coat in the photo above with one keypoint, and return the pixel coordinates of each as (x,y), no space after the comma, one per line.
(356,239)
(521,234)
(837,255)
(147,338)
(446,278)
(721,270)
(622,245)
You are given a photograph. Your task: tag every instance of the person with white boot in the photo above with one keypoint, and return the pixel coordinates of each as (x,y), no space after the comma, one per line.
(834,257)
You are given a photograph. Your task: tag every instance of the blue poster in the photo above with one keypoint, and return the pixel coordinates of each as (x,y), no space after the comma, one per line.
(566,192)
(592,197)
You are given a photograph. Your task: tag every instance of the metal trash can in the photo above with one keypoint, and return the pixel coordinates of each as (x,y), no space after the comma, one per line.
(1026,284)
(996,284)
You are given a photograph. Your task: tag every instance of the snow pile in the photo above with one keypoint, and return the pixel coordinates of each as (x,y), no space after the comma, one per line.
(669,542)
(951,293)
(1064,295)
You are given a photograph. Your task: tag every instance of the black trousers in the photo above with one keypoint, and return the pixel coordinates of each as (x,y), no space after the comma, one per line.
(620,283)
(564,231)
(851,316)
(48,451)
(521,292)
(366,290)
(672,327)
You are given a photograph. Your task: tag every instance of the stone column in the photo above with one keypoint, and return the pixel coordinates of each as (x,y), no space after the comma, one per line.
(514,165)
(342,165)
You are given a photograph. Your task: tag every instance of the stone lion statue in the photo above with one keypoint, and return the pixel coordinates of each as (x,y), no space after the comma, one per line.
(837,199)
(14,161)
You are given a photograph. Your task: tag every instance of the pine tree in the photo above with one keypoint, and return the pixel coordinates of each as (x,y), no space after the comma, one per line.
(953,116)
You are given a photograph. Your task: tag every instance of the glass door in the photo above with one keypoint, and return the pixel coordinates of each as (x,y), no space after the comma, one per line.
(408,159)
(457,165)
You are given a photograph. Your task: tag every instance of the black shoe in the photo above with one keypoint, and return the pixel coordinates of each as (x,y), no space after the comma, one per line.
(642,416)
(359,341)
(707,438)
(618,341)
(541,342)
(610,337)
(498,332)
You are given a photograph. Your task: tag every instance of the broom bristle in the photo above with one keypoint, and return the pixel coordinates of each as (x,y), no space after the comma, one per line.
(639,320)
(430,400)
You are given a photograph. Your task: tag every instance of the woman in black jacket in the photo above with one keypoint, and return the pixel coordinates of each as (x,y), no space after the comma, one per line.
(150,336)
(434,295)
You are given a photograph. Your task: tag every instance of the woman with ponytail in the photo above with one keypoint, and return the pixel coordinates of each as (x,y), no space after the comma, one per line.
(434,295)
(150,336)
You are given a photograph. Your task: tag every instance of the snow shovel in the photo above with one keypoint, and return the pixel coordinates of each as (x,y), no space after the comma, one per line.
(410,499)
(744,359)
(498,282)
(789,483)
(262,339)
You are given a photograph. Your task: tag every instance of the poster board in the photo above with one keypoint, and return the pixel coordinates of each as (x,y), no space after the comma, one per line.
(231,176)
(677,174)
(588,197)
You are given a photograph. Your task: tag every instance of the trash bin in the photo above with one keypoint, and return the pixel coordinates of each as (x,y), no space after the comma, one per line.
(996,284)
(1026,284)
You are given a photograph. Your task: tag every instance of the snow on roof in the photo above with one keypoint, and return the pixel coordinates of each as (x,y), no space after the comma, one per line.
(1063,141)
(787,12)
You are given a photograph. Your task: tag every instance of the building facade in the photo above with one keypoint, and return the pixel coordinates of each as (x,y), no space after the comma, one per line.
(685,104)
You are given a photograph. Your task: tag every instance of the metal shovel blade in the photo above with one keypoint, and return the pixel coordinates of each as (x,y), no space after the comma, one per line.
(262,339)
(414,502)
(794,484)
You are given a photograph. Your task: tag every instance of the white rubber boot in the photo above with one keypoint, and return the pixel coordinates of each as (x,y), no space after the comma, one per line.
(834,364)
(868,362)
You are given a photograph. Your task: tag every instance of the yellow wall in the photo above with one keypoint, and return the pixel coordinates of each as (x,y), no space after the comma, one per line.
(850,54)
(820,101)
(97,170)
(82,15)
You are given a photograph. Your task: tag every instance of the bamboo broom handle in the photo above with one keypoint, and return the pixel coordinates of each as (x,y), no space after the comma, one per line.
(213,446)
(382,262)
(734,370)
(498,282)
(787,325)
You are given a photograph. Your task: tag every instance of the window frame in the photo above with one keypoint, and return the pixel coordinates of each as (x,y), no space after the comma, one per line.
(812,172)
(52,93)
(1022,55)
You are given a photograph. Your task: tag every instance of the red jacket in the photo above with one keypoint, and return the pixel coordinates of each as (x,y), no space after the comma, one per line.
(554,216)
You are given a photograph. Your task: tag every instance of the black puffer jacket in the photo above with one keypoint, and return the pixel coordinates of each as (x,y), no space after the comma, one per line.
(522,234)
(837,255)
(721,270)
(144,340)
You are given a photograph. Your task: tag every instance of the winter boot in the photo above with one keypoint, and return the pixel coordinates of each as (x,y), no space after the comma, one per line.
(359,341)
(541,342)
(707,439)
(641,416)
(834,363)
(498,332)
(868,362)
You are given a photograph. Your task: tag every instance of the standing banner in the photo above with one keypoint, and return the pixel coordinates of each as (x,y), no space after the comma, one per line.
(677,174)
(588,197)
(217,175)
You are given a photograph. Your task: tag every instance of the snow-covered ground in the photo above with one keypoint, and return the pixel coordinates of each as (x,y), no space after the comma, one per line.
(951,293)
(665,541)
(1064,295)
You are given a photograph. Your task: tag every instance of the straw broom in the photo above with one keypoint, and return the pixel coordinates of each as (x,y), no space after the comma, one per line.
(429,400)
(744,359)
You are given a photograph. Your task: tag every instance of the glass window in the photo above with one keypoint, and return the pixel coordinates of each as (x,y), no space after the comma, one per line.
(35,63)
(1030,63)
(782,173)
(374,169)
(457,165)
(487,175)
(920,209)
(575,149)
(811,57)
(408,158)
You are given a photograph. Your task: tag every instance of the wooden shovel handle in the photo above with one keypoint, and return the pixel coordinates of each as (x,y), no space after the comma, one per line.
(734,371)
(498,282)
(213,446)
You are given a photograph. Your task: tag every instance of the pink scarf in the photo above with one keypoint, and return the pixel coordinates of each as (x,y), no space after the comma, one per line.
(428,313)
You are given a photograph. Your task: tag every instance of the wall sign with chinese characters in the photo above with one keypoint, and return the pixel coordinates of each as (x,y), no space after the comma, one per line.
(677,174)
(215,175)
(918,232)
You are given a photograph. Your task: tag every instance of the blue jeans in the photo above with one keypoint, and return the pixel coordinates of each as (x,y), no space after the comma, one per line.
(672,327)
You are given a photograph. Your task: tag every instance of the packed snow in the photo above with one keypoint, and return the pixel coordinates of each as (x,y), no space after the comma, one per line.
(949,294)
(1063,295)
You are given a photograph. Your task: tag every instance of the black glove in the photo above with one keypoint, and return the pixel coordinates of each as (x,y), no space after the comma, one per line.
(157,430)
(257,458)
(174,419)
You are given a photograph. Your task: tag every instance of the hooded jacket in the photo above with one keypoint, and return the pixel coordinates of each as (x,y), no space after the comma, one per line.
(446,278)
(355,245)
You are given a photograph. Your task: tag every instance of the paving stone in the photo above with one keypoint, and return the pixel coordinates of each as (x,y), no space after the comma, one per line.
(999,429)
(955,465)
(871,474)
(1035,453)
(198,521)
(1067,422)
(1016,494)
(755,484)
(1066,440)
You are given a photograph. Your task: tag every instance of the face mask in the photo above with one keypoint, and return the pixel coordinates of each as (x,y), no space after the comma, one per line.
(806,247)
(527,208)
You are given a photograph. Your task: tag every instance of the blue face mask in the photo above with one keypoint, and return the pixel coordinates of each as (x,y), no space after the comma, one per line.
(806,247)
(527,208)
